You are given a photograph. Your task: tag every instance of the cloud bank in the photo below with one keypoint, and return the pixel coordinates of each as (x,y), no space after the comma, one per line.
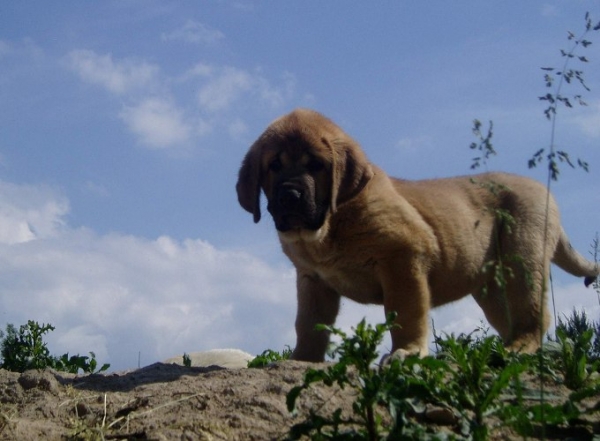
(149,108)
(119,77)
(121,296)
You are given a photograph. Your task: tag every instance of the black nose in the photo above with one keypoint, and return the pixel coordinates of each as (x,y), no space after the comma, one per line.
(288,197)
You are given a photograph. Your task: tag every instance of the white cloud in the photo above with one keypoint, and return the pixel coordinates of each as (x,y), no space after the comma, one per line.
(576,296)
(157,123)
(29,212)
(223,86)
(223,89)
(118,295)
(152,109)
(119,77)
(194,32)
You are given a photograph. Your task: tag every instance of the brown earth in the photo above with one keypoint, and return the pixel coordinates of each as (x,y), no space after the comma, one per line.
(158,402)
(169,402)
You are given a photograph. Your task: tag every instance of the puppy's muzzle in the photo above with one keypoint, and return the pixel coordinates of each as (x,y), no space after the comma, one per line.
(289,197)
(291,207)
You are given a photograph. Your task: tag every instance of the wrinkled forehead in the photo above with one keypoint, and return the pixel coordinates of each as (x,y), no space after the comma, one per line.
(295,148)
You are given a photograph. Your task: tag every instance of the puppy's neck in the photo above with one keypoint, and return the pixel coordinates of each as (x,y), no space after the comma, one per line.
(303,235)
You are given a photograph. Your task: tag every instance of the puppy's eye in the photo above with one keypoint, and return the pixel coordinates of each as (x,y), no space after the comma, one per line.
(314,165)
(275,165)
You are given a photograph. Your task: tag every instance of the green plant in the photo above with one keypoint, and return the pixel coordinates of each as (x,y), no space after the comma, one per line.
(481,370)
(187,361)
(387,398)
(575,325)
(25,349)
(567,360)
(574,358)
(270,356)
(474,380)
(76,363)
(484,146)
(575,349)
(553,416)
(555,79)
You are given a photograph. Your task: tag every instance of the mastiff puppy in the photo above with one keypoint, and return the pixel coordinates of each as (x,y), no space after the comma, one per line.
(351,230)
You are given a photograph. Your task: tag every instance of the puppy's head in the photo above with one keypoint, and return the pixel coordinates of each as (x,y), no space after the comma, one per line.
(306,166)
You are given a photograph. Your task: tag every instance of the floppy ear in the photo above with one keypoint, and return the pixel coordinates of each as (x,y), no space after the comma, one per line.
(248,184)
(350,169)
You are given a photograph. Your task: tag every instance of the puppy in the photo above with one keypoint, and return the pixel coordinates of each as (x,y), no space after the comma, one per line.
(350,230)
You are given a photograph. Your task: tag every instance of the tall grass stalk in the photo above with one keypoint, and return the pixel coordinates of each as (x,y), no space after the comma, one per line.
(565,75)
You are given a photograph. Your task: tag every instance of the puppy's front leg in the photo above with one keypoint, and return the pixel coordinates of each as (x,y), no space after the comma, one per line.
(317,304)
(406,292)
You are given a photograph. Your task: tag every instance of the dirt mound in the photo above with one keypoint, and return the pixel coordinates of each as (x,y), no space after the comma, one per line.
(169,401)
(159,402)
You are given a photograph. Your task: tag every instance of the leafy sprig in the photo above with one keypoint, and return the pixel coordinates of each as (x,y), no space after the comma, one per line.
(555,79)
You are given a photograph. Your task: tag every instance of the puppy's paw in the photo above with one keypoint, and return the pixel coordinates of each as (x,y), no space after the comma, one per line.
(398,354)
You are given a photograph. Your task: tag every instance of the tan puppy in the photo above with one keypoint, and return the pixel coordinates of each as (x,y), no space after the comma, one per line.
(350,230)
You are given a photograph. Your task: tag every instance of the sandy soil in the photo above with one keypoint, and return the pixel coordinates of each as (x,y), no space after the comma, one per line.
(158,402)
(166,402)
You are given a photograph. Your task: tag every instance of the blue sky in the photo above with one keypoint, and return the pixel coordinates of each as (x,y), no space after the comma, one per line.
(123,124)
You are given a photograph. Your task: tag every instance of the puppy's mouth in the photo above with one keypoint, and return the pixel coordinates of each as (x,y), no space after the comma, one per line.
(295,221)
(293,208)
(290,222)
(305,217)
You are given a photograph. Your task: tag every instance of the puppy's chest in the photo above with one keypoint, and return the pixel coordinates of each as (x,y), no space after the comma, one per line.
(349,275)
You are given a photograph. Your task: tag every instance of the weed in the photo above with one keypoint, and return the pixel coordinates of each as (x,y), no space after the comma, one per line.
(575,346)
(555,79)
(387,398)
(87,426)
(562,418)
(82,430)
(25,349)
(575,325)
(481,370)
(574,358)
(7,414)
(76,363)
(270,356)
(474,380)
(484,146)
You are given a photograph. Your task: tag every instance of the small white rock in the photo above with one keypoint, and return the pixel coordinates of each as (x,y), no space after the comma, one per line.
(227,358)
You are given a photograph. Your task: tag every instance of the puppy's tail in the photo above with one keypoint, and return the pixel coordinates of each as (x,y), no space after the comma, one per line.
(589,280)
(574,263)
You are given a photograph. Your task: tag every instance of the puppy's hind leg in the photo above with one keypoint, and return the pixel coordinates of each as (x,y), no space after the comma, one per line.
(518,314)
(515,301)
